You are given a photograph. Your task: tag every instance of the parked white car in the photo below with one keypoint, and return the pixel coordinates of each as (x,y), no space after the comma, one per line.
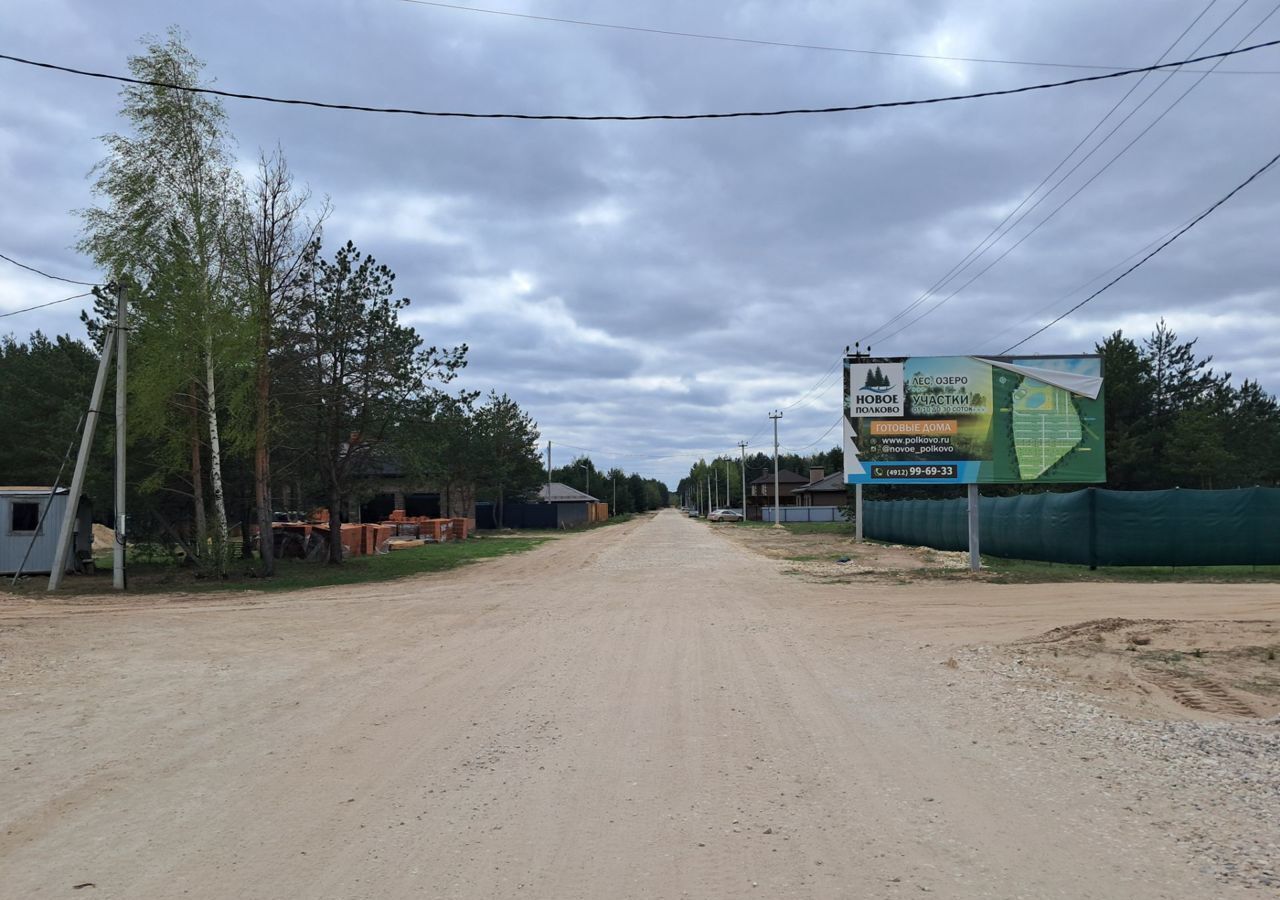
(725,515)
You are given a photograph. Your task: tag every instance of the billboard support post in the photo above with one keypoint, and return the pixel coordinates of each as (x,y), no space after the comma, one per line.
(975,557)
(857,513)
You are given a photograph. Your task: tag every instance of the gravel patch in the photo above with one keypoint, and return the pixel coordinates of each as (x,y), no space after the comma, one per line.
(1214,787)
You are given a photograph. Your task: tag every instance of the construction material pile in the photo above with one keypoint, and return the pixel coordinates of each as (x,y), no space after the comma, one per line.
(310,539)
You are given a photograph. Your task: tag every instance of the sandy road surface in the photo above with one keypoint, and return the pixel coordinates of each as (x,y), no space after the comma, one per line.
(647,710)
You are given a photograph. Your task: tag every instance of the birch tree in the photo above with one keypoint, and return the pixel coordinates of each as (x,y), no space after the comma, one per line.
(171,197)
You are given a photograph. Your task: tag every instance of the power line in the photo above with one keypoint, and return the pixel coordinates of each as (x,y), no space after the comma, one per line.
(21,265)
(1000,231)
(993,236)
(991,341)
(43,305)
(1241,186)
(666,32)
(833,427)
(648,117)
(817,386)
(1091,179)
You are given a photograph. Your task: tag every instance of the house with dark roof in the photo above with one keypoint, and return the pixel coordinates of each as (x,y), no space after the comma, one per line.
(383,485)
(760,491)
(573,507)
(829,490)
(555,492)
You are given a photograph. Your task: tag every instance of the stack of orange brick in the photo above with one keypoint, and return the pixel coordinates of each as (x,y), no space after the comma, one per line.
(376,538)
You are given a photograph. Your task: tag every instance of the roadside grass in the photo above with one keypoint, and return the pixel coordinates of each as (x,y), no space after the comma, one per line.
(291,574)
(805,527)
(544,533)
(1023,571)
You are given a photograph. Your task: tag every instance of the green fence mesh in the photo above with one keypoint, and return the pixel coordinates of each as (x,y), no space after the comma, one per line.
(1097,527)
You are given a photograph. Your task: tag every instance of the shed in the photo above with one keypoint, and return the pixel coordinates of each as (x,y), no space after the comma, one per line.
(573,507)
(22,509)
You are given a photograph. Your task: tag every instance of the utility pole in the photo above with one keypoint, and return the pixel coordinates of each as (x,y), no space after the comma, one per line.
(777,500)
(122,396)
(973,505)
(82,462)
(548,471)
(715,480)
(742,447)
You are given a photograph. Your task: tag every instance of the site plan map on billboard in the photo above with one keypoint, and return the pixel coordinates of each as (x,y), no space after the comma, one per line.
(973,420)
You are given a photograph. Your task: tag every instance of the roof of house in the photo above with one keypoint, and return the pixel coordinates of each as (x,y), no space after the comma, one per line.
(785,476)
(24,490)
(562,493)
(834,482)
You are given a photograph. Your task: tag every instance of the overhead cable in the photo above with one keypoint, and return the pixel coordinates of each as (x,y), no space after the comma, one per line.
(817,386)
(647,117)
(43,305)
(1090,180)
(1067,295)
(21,265)
(666,32)
(999,231)
(833,427)
(1181,231)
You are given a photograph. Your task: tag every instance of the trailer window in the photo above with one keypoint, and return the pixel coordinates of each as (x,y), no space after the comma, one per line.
(24,516)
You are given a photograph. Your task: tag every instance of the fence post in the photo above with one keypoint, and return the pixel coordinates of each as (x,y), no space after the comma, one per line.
(1093,528)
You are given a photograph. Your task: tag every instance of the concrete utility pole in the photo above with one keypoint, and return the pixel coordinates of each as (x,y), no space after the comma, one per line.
(975,557)
(548,471)
(82,462)
(742,446)
(122,396)
(777,499)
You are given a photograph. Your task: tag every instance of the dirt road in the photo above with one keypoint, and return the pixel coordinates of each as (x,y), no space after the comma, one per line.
(648,710)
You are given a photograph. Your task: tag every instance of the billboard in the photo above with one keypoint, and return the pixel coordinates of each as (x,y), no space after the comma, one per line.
(973,420)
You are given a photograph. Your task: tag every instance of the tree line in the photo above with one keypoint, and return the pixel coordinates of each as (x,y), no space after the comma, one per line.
(624,493)
(1175,421)
(724,474)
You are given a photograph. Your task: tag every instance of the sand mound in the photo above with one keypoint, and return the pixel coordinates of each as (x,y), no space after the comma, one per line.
(104,538)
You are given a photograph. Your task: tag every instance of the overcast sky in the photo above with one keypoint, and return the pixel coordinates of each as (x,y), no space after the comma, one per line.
(651,290)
